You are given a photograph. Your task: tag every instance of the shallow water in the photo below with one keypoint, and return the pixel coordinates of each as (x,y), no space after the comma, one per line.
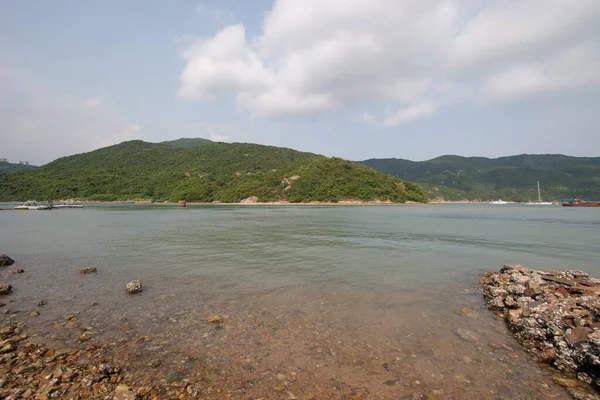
(357,301)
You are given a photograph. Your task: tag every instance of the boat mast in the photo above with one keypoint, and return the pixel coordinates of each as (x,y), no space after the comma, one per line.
(539,195)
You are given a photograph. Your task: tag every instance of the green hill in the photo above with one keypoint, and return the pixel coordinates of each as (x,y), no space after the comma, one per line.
(510,178)
(187,143)
(10,167)
(212,172)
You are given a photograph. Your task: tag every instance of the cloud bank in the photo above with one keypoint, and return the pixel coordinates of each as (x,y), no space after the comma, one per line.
(410,58)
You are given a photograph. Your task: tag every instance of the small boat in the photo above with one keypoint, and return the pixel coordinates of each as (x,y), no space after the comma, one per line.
(571,202)
(34,205)
(499,201)
(539,202)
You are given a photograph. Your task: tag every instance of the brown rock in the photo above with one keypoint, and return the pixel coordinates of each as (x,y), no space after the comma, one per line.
(577,335)
(215,319)
(5,288)
(87,270)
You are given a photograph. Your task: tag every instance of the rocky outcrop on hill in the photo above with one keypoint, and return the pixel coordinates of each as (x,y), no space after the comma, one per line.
(555,315)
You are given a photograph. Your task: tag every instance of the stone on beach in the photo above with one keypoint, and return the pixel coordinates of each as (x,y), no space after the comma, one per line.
(553,314)
(5,288)
(5,260)
(87,270)
(134,286)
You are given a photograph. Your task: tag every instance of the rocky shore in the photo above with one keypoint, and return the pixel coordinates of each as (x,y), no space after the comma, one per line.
(555,315)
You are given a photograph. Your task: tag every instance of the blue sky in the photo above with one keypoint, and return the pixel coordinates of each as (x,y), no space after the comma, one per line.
(356,79)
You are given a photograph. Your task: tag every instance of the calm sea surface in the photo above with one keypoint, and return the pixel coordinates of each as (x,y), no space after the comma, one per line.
(331,301)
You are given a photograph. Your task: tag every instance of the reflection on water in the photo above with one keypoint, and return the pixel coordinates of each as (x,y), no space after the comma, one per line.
(330,301)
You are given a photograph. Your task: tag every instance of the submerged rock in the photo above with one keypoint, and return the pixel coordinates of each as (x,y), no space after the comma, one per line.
(5,288)
(87,270)
(134,286)
(553,314)
(5,260)
(16,271)
(467,335)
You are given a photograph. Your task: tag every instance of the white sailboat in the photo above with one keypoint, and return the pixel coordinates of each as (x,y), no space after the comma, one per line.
(499,201)
(539,202)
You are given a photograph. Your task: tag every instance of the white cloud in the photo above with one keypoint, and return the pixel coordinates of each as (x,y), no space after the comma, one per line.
(218,138)
(577,67)
(313,56)
(411,113)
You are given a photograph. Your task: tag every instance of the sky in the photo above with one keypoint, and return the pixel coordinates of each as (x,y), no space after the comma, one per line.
(356,79)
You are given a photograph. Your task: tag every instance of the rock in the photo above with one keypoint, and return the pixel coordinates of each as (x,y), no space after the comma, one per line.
(215,319)
(108,369)
(87,335)
(134,286)
(553,314)
(5,260)
(34,313)
(467,335)
(578,335)
(5,288)
(467,312)
(87,270)
(42,303)
(16,271)
(565,382)
(122,392)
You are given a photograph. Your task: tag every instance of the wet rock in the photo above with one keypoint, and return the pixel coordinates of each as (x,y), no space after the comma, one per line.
(87,270)
(16,271)
(87,335)
(5,288)
(553,314)
(467,335)
(134,286)
(42,303)
(5,260)
(467,312)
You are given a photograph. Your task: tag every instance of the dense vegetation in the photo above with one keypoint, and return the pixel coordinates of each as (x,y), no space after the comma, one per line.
(211,172)
(187,143)
(10,167)
(509,178)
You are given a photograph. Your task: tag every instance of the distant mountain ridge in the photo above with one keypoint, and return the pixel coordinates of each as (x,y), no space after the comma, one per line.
(196,171)
(12,167)
(510,178)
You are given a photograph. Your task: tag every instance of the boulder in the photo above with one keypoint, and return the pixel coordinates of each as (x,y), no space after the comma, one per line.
(5,260)
(4,288)
(134,286)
